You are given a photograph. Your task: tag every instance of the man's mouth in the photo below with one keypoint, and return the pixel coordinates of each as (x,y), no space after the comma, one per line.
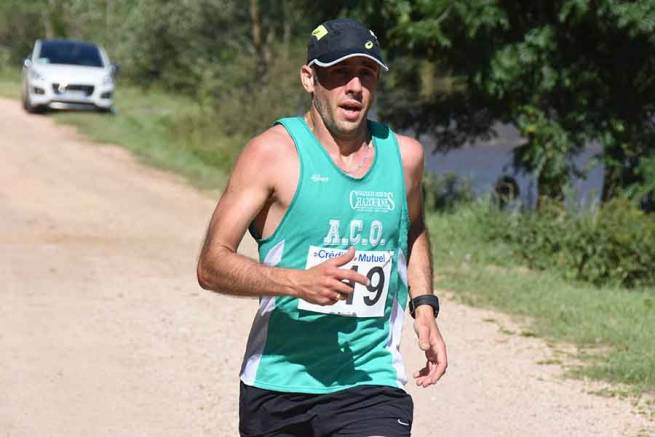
(351,109)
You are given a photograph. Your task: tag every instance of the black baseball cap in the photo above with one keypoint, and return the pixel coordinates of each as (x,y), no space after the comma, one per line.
(340,39)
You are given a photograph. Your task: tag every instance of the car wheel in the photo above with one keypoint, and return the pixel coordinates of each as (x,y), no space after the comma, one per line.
(28,107)
(26,103)
(109,110)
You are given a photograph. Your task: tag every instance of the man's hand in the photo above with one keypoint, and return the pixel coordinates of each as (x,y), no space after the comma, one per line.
(431,342)
(326,283)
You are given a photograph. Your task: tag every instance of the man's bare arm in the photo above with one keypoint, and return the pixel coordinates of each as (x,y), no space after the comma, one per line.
(220,268)
(419,266)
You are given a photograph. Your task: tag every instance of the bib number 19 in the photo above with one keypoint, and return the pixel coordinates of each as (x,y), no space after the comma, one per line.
(375,286)
(364,301)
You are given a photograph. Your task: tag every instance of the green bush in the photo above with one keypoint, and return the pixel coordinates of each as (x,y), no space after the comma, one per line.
(445,192)
(5,59)
(196,132)
(228,116)
(613,245)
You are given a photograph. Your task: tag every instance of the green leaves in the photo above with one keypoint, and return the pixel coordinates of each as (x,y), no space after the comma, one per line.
(573,10)
(446,192)
(635,17)
(576,63)
(613,245)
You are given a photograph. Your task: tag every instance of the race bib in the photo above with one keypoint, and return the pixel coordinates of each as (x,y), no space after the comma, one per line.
(365,301)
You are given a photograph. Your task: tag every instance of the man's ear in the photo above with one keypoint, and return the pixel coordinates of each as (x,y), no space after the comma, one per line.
(307,78)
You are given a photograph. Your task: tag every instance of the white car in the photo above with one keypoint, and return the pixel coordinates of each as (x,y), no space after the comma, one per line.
(67,74)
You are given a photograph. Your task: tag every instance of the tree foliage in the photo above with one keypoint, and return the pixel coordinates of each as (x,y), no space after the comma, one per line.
(564,72)
(240,60)
(190,46)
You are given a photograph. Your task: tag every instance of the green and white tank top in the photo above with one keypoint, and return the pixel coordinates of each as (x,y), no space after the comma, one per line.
(295,346)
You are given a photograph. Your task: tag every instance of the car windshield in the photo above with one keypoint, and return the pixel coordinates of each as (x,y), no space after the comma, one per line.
(70,53)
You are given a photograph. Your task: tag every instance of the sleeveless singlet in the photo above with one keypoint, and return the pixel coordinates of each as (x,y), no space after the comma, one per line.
(295,346)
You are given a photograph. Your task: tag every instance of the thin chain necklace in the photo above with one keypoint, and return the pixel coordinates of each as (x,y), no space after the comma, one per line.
(362,161)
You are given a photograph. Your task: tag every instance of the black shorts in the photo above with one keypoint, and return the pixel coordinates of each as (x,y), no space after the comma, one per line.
(361,411)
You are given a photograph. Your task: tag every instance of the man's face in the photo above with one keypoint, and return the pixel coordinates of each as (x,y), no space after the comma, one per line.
(344,92)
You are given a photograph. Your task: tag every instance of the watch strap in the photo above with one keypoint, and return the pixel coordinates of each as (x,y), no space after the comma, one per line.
(426,299)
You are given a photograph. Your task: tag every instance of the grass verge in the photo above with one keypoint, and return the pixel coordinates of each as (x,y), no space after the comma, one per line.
(10,83)
(154,126)
(612,327)
(145,123)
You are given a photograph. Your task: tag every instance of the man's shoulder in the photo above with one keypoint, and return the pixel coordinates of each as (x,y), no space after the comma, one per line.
(411,152)
(271,141)
(270,146)
(407,144)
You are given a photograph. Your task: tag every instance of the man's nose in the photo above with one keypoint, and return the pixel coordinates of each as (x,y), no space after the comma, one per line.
(354,84)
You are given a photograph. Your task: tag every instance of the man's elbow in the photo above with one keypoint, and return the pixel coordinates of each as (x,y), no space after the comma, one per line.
(211,270)
(205,276)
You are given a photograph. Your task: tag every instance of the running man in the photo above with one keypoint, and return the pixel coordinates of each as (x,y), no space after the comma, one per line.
(334,202)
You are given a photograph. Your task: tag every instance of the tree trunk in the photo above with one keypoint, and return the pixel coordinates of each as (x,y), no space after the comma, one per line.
(47,17)
(261,66)
(427,75)
(108,19)
(611,183)
(549,188)
(286,28)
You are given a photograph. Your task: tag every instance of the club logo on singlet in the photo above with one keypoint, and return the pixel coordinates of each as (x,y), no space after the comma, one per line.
(358,232)
(372,201)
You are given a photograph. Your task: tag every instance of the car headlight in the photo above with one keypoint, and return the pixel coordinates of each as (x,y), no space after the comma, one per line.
(107,80)
(35,75)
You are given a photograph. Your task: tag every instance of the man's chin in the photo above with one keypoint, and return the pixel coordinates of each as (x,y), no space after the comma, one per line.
(351,122)
(347,127)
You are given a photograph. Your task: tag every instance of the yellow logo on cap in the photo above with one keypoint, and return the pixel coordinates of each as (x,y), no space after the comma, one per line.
(369,45)
(320,32)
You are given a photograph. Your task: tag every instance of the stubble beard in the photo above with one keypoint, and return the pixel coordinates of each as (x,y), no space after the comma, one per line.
(338,128)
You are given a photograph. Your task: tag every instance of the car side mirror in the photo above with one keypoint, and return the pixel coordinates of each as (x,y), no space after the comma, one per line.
(27,63)
(114,69)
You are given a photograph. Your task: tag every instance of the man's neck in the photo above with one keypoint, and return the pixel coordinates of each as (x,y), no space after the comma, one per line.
(340,143)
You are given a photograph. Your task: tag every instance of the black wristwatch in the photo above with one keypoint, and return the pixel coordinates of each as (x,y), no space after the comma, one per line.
(426,299)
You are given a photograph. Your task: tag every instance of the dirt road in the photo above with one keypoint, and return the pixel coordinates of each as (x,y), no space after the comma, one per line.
(104,332)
